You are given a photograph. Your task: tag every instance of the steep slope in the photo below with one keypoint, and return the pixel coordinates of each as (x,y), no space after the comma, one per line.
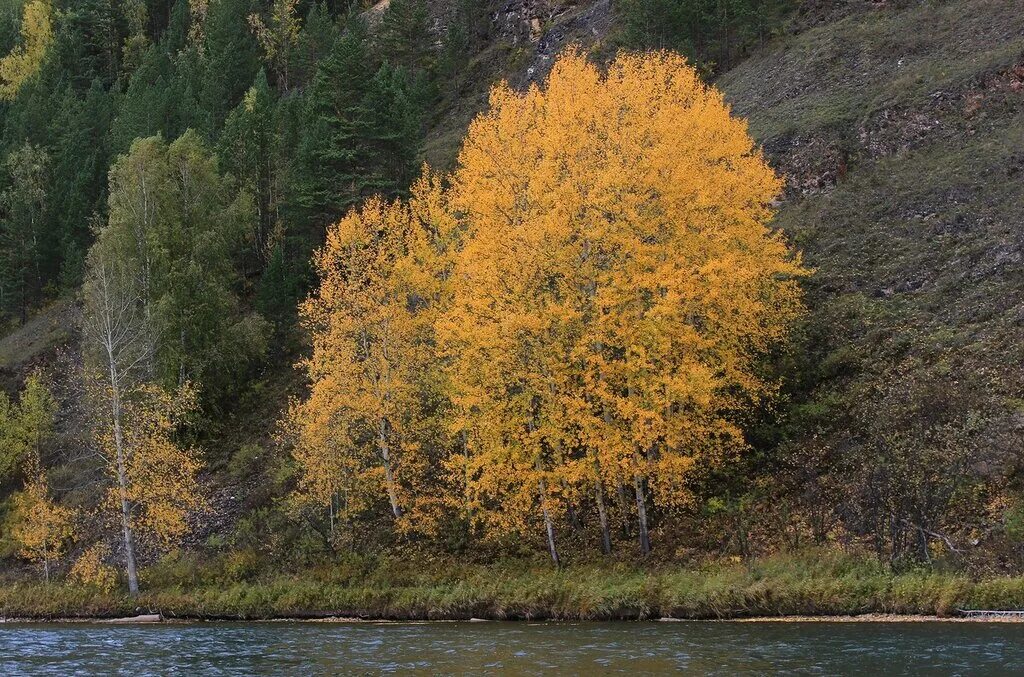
(900,130)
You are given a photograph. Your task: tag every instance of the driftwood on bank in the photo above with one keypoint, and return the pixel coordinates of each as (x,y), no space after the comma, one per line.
(141,618)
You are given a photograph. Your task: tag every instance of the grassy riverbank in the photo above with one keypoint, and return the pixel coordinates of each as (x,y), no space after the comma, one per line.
(812,584)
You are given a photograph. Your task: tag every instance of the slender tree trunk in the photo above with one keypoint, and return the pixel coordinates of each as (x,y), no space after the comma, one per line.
(624,504)
(122,480)
(331,510)
(641,509)
(602,512)
(46,560)
(385,453)
(574,518)
(548,525)
(467,505)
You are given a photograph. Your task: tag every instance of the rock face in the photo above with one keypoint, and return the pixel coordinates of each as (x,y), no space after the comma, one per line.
(542,28)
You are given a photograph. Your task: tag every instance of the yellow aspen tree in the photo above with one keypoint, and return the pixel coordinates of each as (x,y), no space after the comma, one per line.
(617,283)
(361,431)
(43,528)
(24,61)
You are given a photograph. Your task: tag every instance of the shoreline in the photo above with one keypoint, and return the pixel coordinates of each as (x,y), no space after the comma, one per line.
(995,617)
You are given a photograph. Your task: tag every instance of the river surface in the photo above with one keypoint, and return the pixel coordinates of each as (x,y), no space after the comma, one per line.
(283,648)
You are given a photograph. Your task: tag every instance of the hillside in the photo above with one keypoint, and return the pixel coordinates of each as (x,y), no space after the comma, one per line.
(897,127)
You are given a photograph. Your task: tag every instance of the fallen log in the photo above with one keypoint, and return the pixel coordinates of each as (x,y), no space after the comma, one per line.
(141,618)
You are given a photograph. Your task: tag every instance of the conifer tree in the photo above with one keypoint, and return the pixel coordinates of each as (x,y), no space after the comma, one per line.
(361,132)
(79,185)
(333,157)
(23,239)
(249,152)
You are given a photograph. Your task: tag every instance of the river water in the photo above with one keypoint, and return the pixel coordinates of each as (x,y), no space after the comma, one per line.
(282,648)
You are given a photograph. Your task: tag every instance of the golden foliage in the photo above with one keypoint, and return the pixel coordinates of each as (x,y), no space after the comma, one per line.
(43,528)
(24,60)
(358,435)
(90,569)
(160,475)
(617,282)
(598,283)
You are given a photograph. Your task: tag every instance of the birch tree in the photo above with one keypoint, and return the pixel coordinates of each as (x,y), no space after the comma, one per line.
(152,480)
(617,283)
(372,366)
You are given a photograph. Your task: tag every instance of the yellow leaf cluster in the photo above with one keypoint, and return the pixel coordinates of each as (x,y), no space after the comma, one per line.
(161,475)
(617,280)
(24,60)
(90,568)
(371,321)
(43,528)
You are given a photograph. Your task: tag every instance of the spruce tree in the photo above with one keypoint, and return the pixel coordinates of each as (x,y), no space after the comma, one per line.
(23,240)
(334,158)
(79,185)
(248,150)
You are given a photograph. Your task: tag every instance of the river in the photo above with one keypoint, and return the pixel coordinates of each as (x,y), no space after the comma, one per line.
(284,648)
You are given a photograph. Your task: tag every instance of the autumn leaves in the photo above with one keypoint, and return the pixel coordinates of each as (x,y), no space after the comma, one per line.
(576,313)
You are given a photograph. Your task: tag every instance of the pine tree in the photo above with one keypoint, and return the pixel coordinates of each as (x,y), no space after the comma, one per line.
(79,184)
(404,37)
(333,157)
(249,151)
(361,132)
(228,60)
(23,240)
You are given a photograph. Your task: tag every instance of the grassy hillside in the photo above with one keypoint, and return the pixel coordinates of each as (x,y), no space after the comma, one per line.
(899,130)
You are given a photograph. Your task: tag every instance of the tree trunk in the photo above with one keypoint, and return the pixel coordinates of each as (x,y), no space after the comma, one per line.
(331,510)
(574,518)
(602,512)
(548,526)
(385,453)
(122,481)
(641,509)
(624,504)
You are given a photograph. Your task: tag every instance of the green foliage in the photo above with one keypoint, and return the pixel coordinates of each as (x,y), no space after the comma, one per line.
(714,32)
(249,149)
(25,427)
(23,240)
(176,221)
(404,38)
(361,132)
